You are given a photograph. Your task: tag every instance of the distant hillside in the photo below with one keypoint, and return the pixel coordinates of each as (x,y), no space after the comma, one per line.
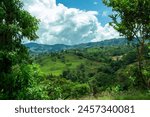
(111,42)
(41,48)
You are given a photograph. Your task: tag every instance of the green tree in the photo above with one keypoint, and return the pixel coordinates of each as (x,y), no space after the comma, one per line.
(132,19)
(16,24)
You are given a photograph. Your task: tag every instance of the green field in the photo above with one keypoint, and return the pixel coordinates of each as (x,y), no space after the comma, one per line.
(55,66)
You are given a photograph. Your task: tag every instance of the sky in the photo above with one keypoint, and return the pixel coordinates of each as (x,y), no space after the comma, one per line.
(90,5)
(71,21)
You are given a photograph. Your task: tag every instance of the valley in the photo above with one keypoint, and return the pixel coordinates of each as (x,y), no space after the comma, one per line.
(100,72)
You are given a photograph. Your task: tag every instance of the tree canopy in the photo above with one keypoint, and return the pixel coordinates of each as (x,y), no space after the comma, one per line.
(132,19)
(16,24)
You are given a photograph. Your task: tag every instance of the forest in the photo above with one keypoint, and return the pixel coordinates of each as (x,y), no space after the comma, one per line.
(113,72)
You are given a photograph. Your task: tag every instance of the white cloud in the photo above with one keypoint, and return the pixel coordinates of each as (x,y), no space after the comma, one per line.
(63,25)
(106,32)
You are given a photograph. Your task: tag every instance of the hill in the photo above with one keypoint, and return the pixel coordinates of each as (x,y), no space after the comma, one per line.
(56,62)
(105,72)
(99,72)
(41,48)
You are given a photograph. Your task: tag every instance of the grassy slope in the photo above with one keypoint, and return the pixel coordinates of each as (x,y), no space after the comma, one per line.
(55,67)
(49,66)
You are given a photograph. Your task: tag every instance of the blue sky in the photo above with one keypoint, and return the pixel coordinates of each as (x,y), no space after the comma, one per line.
(71,21)
(88,5)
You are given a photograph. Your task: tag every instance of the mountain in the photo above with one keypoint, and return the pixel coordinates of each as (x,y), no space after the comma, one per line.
(110,42)
(42,48)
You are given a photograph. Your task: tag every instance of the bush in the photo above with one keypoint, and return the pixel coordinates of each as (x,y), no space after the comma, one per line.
(23,82)
(80,90)
(60,88)
(127,77)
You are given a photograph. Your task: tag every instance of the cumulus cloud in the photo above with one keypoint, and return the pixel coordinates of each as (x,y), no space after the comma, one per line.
(62,25)
(106,32)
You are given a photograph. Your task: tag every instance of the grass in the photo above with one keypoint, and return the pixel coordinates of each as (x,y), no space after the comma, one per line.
(126,95)
(55,66)
(134,95)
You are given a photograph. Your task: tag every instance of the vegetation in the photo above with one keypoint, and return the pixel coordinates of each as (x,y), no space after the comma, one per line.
(15,25)
(114,77)
(99,72)
(131,19)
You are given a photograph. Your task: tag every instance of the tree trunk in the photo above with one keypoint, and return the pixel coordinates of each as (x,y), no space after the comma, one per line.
(140,50)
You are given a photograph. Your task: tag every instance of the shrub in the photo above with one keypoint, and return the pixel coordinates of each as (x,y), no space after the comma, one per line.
(80,90)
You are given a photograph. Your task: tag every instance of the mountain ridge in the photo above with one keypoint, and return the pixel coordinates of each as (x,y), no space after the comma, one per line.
(43,48)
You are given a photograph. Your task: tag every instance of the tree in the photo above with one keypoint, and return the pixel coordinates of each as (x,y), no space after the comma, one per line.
(16,24)
(132,19)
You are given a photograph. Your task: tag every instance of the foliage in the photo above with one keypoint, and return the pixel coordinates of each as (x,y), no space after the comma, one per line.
(130,57)
(127,78)
(21,82)
(80,90)
(75,73)
(60,88)
(131,19)
(15,25)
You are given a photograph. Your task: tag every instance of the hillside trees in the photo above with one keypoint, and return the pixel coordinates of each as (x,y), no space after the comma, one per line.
(132,19)
(15,25)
